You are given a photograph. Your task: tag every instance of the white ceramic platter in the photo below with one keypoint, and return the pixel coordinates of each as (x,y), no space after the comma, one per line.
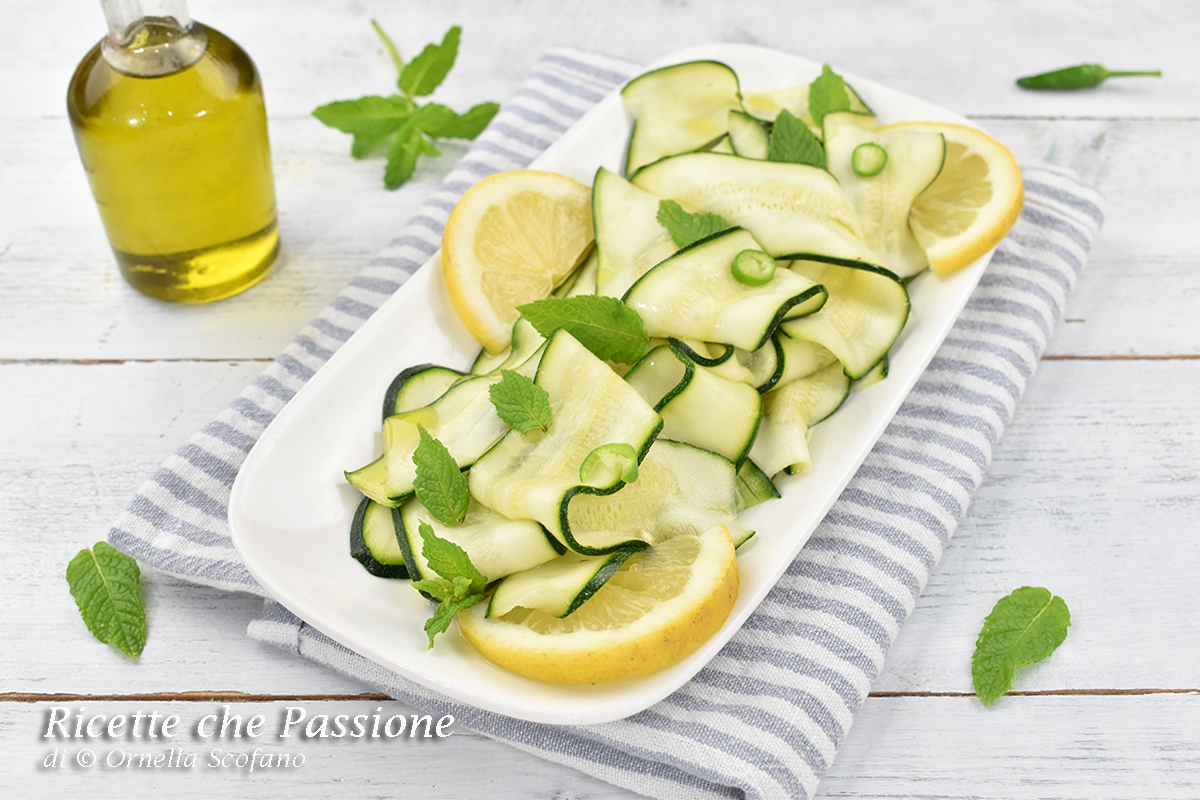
(290,507)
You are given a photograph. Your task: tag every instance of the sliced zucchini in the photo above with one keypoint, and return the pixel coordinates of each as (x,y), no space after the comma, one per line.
(693,295)
(706,354)
(883,198)
(878,373)
(416,387)
(586,266)
(722,146)
(767,105)
(747,136)
(524,344)
(629,238)
(463,419)
(866,311)
(557,587)
(754,486)
(496,545)
(373,540)
(680,488)
(789,208)
(678,109)
(764,365)
(585,278)
(782,360)
(801,358)
(788,413)
(692,398)
(532,476)
(660,375)
(719,358)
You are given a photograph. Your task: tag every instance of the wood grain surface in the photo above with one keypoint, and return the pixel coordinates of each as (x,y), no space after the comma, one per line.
(1093,492)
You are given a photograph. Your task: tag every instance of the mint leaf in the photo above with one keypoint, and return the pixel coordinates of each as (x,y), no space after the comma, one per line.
(371,119)
(459,584)
(685,227)
(794,142)
(451,562)
(426,72)
(610,329)
(444,613)
(1023,628)
(402,156)
(826,94)
(440,485)
(520,402)
(445,123)
(437,587)
(106,585)
(398,121)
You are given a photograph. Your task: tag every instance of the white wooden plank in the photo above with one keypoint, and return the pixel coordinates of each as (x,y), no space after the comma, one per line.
(77,441)
(1050,748)
(967,60)
(460,764)
(1089,748)
(1091,494)
(1138,293)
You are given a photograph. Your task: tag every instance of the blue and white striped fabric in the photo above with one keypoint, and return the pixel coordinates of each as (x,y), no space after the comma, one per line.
(766,716)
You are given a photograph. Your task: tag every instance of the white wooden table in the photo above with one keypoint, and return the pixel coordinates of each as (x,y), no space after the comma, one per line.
(1093,491)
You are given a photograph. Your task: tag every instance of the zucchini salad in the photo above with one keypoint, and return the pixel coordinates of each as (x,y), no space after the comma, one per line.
(655,351)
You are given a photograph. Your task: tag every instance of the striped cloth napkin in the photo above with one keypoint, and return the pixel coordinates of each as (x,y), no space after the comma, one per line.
(766,716)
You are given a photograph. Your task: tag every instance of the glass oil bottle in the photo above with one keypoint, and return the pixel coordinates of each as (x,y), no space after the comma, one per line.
(169,120)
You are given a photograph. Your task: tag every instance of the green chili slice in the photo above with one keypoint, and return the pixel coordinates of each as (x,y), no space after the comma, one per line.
(868,159)
(609,463)
(753,267)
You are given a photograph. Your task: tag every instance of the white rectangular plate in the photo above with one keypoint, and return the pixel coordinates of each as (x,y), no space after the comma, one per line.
(290,507)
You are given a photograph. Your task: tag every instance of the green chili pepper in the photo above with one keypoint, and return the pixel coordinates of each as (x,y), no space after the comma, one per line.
(1082,76)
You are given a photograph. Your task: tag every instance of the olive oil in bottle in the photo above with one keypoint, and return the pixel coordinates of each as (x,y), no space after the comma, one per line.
(169,119)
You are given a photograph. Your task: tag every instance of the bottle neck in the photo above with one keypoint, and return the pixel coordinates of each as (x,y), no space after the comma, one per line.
(147,38)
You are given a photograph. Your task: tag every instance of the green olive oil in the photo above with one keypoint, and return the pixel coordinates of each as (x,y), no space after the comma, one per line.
(172,132)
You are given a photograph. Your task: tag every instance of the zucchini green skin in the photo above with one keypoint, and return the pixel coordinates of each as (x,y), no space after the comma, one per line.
(747,135)
(393,398)
(857,371)
(614,562)
(722,240)
(708,510)
(360,552)
(638,153)
(691,355)
(754,485)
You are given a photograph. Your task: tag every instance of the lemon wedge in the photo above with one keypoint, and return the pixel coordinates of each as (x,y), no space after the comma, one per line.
(511,239)
(658,608)
(972,204)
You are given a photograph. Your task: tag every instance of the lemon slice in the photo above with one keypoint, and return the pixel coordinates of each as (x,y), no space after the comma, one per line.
(659,607)
(511,239)
(972,204)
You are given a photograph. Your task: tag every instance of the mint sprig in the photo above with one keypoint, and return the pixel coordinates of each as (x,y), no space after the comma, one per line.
(520,402)
(107,588)
(398,121)
(1023,628)
(827,94)
(685,227)
(793,142)
(458,585)
(440,484)
(610,329)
